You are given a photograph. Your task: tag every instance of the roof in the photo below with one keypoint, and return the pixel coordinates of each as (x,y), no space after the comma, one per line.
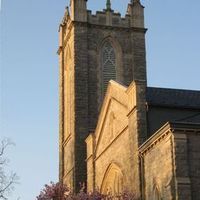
(173,127)
(173,97)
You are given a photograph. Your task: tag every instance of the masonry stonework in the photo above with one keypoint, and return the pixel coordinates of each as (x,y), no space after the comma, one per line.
(127,136)
(82,35)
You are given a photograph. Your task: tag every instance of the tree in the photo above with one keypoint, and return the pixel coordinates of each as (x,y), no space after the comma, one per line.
(58,191)
(54,191)
(7,180)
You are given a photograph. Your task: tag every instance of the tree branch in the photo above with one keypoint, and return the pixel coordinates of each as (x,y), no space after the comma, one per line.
(6,181)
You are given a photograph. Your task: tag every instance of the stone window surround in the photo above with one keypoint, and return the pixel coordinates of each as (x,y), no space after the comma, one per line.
(119,63)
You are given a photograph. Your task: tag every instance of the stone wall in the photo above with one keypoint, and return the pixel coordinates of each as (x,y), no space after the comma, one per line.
(194,163)
(81,102)
(187,142)
(157,167)
(182,166)
(131,61)
(120,129)
(116,154)
(112,141)
(171,162)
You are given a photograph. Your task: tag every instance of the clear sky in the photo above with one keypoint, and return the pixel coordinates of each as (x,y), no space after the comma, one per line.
(29,74)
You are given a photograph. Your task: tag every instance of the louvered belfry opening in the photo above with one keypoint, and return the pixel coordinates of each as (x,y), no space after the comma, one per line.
(108,65)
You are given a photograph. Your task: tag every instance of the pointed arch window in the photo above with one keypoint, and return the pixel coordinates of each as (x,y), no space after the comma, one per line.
(108,64)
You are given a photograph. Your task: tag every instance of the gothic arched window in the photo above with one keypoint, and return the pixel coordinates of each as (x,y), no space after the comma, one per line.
(108,65)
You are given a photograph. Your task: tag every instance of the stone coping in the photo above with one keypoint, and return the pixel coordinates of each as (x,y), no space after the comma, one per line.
(167,129)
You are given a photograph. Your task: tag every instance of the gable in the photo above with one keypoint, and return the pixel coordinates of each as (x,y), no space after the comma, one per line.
(113,119)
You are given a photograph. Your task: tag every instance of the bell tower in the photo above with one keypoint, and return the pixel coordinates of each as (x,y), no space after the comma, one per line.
(93,49)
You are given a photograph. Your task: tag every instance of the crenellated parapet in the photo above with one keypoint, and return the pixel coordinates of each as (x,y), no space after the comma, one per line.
(107,17)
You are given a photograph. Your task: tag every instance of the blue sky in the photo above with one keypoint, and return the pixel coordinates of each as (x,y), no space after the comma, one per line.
(29,74)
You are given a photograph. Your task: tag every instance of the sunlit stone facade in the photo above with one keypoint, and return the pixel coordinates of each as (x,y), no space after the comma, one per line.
(119,134)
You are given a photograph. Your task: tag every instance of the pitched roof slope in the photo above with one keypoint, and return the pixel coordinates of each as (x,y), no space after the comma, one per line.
(173,97)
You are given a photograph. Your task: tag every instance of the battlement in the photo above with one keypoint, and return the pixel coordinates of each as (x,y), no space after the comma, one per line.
(108,18)
(78,12)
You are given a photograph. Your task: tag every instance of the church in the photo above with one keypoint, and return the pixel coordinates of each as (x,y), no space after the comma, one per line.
(115,132)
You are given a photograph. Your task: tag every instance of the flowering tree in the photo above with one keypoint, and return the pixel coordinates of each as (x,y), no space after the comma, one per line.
(59,191)
(54,191)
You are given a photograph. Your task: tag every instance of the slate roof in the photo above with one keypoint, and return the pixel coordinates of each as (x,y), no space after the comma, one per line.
(173,97)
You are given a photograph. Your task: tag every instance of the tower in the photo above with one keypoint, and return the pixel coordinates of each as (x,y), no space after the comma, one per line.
(92,50)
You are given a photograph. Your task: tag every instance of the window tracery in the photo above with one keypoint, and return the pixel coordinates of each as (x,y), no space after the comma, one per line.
(108,64)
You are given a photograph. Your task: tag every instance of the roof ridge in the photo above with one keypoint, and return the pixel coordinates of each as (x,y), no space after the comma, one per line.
(174,89)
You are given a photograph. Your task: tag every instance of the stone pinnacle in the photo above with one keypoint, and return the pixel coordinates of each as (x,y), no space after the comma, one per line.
(135,1)
(108,5)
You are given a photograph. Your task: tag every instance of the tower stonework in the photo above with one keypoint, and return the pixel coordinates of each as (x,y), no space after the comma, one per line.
(92,50)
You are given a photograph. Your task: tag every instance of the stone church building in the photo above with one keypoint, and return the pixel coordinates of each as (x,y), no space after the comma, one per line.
(116,133)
